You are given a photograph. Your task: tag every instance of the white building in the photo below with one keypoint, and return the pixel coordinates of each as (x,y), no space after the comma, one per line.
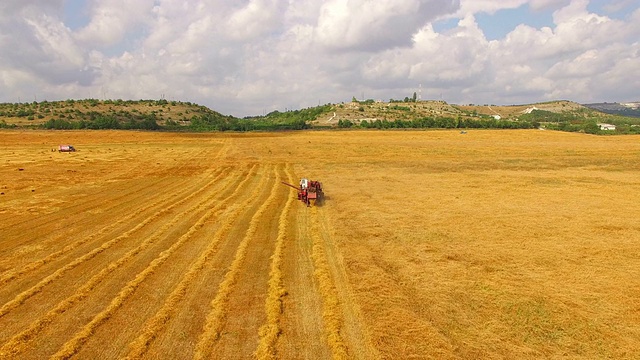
(607,127)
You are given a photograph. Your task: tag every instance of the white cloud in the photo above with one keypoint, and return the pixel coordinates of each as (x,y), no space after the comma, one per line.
(370,25)
(547,4)
(39,47)
(112,20)
(250,56)
(470,7)
(258,18)
(55,40)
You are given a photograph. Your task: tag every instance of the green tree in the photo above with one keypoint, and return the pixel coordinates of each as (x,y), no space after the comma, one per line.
(345,123)
(591,128)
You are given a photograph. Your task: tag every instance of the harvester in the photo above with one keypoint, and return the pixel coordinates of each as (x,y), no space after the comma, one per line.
(309,191)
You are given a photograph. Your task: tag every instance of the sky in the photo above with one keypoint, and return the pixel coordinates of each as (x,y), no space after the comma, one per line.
(251,57)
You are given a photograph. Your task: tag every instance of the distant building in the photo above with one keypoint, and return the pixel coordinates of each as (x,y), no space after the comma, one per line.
(607,127)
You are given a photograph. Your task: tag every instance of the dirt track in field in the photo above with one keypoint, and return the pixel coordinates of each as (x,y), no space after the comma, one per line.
(429,245)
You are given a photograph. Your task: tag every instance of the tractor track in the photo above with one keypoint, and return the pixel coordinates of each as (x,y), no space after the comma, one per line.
(75,344)
(19,341)
(302,335)
(319,317)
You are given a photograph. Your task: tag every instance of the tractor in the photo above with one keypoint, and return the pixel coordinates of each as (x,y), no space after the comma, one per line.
(309,191)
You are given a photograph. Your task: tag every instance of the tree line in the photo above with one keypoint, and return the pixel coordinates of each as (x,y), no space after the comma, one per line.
(439,123)
(105,121)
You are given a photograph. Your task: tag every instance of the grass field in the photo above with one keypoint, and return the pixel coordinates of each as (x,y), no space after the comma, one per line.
(430,244)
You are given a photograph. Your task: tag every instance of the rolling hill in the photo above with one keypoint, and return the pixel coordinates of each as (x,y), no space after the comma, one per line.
(624,109)
(177,115)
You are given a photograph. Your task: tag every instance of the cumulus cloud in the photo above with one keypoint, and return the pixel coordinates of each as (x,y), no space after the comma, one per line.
(37,48)
(256,19)
(373,25)
(112,20)
(250,56)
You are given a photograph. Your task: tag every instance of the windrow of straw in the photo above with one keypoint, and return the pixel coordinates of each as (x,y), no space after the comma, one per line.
(270,331)
(19,342)
(161,203)
(22,297)
(157,323)
(131,196)
(72,346)
(331,310)
(217,316)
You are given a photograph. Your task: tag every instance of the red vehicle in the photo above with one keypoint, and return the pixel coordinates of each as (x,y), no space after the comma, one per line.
(66,148)
(309,191)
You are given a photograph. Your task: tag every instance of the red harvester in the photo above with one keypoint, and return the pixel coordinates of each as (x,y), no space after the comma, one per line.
(309,191)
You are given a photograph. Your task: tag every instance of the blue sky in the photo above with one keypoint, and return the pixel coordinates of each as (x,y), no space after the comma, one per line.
(249,56)
(76,14)
(498,25)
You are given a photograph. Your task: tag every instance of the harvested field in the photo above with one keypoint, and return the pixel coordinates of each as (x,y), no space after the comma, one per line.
(430,244)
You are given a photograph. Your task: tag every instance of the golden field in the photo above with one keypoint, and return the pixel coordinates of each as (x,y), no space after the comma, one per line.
(430,244)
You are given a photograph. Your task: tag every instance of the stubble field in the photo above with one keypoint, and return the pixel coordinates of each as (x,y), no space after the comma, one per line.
(491,244)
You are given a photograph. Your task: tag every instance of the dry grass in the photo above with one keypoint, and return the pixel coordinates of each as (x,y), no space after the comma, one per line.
(21,340)
(72,346)
(332,312)
(140,345)
(492,244)
(217,314)
(270,331)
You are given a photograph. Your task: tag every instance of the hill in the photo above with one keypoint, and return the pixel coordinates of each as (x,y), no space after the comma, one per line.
(624,109)
(129,114)
(370,110)
(176,115)
(162,112)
